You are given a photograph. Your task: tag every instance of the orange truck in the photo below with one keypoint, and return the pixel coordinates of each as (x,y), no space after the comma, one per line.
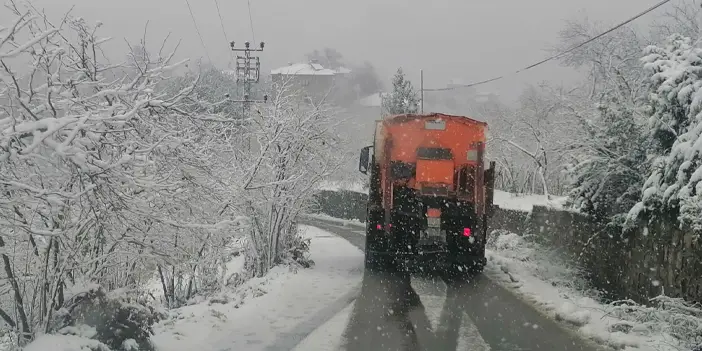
(430,193)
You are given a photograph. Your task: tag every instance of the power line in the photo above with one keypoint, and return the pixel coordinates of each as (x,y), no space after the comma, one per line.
(221,21)
(558,55)
(224,31)
(198,32)
(253,34)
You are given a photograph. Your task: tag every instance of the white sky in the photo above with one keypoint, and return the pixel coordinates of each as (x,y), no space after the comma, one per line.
(465,39)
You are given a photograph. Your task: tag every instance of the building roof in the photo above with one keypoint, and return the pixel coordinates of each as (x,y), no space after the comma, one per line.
(309,69)
(304,69)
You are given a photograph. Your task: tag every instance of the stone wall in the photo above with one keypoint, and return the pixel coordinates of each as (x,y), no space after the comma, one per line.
(341,204)
(639,264)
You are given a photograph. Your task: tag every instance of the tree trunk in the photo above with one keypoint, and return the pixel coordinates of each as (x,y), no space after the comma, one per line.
(19,303)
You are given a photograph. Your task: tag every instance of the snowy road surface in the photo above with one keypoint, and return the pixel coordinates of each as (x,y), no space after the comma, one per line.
(273,312)
(399,312)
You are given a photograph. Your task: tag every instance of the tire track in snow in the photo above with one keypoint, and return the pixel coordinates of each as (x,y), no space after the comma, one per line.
(289,340)
(491,317)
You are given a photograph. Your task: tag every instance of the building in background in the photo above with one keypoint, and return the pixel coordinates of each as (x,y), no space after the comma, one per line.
(311,78)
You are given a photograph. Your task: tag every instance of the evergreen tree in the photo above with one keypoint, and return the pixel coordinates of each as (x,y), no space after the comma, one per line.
(612,166)
(674,186)
(402,99)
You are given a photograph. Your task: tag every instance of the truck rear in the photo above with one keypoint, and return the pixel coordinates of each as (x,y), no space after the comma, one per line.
(430,193)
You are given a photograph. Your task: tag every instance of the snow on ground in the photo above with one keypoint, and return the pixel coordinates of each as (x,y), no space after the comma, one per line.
(525,202)
(343,222)
(343,185)
(544,279)
(264,309)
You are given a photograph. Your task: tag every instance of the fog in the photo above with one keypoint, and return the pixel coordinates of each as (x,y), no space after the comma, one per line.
(449,39)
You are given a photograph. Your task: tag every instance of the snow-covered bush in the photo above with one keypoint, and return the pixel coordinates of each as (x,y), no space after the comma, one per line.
(116,320)
(298,251)
(664,315)
(674,187)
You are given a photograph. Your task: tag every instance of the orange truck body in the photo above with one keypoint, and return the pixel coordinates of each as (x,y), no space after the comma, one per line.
(425,170)
(460,176)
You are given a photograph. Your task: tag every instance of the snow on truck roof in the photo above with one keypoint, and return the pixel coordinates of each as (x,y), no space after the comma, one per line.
(409,117)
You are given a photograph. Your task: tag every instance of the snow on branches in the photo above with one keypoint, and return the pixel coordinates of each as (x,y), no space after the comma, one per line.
(675,183)
(293,148)
(105,173)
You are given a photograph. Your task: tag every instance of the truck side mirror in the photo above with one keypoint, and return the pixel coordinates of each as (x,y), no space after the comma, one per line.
(364,160)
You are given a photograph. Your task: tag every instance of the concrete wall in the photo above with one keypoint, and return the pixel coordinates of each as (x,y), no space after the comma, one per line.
(638,264)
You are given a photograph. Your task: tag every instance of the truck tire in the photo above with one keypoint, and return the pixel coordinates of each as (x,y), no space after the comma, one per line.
(469,269)
(375,262)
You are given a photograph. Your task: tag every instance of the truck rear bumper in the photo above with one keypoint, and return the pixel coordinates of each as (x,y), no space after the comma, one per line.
(427,260)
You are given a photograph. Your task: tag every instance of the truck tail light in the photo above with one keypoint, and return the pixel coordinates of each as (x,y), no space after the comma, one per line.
(466,232)
(380,226)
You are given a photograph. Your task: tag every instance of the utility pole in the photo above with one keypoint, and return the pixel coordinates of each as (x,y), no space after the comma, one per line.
(247,75)
(421,91)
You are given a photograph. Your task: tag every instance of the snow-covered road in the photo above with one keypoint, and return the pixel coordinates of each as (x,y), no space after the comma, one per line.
(402,312)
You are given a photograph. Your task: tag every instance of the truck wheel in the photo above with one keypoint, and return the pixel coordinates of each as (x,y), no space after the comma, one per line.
(377,263)
(468,268)
(371,261)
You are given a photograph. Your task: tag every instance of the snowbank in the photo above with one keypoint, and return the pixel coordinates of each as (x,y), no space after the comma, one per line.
(343,185)
(343,222)
(65,343)
(263,309)
(525,202)
(543,279)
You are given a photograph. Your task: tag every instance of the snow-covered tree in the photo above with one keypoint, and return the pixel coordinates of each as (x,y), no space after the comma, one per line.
(609,160)
(364,79)
(610,163)
(528,142)
(214,94)
(403,98)
(674,186)
(328,58)
(680,17)
(103,180)
(293,151)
